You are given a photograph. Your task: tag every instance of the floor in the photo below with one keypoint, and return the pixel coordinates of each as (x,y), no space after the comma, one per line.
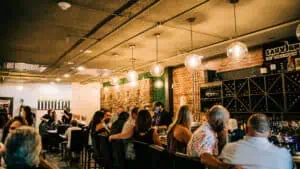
(55,159)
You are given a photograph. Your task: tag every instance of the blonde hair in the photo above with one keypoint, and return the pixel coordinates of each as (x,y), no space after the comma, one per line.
(23,148)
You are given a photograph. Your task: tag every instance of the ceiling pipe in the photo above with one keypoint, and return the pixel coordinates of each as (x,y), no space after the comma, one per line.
(91,32)
(117,28)
(142,32)
(225,42)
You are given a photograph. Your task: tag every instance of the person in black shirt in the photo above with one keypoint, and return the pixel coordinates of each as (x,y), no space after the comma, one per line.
(28,115)
(118,145)
(161,118)
(67,116)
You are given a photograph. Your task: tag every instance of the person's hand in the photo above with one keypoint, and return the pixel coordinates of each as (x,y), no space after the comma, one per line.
(2,148)
(110,138)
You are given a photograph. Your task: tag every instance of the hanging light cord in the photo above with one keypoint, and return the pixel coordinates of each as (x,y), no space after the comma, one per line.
(191,34)
(157,48)
(235,25)
(132,59)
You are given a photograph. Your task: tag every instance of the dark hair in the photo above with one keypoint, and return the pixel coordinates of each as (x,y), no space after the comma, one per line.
(143,121)
(135,110)
(28,115)
(98,116)
(3,118)
(7,126)
(157,104)
(49,112)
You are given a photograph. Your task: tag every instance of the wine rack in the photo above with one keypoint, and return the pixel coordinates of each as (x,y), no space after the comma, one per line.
(53,104)
(275,93)
(210,96)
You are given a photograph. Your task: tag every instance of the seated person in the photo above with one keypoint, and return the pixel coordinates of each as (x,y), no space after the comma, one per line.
(235,133)
(142,130)
(46,117)
(13,124)
(69,131)
(23,148)
(179,133)
(204,139)
(255,151)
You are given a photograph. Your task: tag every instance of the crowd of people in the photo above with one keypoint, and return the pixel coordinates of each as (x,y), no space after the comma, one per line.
(217,142)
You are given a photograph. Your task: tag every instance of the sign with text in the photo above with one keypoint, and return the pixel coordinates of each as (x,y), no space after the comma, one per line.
(276,54)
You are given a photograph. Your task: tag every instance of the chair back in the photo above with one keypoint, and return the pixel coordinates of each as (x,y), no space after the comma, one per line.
(142,155)
(76,144)
(160,158)
(61,129)
(182,161)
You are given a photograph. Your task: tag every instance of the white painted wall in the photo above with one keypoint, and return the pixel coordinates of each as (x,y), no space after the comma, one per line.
(33,91)
(85,99)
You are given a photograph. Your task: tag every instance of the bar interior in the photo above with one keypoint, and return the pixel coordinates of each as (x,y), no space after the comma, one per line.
(150,84)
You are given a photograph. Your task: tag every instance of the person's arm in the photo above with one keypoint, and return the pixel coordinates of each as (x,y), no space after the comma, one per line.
(99,126)
(182,134)
(213,162)
(156,139)
(123,135)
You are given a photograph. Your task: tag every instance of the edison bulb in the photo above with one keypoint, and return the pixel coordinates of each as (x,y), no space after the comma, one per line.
(193,62)
(158,84)
(157,70)
(237,50)
(132,76)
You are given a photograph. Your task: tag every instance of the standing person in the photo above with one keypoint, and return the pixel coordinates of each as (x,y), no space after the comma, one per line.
(255,151)
(205,138)
(179,133)
(125,134)
(117,145)
(67,116)
(161,118)
(28,115)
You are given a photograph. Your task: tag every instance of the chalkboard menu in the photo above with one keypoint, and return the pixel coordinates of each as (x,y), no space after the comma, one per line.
(277,54)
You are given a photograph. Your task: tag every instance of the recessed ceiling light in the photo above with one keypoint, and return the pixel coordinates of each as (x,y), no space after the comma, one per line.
(52,83)
(66,75)
(80,68)
(86,51)
(70,63)
(58,79)
(64,5)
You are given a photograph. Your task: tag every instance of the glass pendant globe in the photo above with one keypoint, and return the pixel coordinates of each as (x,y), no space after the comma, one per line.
(237,50)
(298,32)
(132,76)
(158,84)
(114,81)
(157,70)
(193,62)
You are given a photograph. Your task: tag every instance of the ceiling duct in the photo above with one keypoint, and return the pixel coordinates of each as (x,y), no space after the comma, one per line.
(24,67)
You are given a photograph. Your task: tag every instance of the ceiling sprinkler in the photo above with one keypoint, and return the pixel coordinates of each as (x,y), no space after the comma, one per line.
(64,5)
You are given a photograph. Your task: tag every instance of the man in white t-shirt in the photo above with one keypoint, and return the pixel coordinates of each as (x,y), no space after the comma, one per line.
(255,151)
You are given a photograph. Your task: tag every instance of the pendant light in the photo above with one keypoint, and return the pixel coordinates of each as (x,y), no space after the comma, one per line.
(132,75)
(298,32)
(237,49)
(157,69)
(192,61)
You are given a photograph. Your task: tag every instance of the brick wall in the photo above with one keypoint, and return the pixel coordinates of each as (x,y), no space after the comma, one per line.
(183,79)
(126,95)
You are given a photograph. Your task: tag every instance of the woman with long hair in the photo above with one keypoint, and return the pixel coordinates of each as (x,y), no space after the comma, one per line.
(16,122)
(179,133)
(143,131)
(28,115)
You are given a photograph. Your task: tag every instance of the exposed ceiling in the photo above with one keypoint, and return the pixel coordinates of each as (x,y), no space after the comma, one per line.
(39,32)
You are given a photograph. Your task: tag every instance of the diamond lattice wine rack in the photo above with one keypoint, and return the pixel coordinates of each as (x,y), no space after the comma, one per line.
(275,93)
